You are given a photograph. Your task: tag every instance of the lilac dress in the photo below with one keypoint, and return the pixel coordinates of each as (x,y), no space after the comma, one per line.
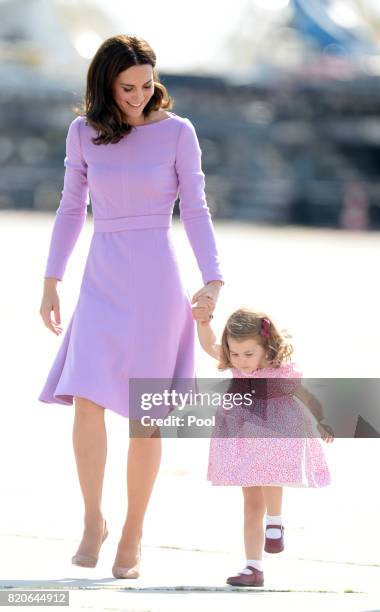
(133,316)
(297,460)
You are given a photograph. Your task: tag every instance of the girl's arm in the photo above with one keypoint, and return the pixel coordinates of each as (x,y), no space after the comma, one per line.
(206,334)
(315,407)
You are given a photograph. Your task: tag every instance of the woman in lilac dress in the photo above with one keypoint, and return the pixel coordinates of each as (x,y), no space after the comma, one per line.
(133,317)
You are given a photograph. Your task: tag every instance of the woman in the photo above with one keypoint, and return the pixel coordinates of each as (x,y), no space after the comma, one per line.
(133,317)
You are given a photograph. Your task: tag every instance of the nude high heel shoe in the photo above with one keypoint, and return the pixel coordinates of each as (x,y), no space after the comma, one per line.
(128,572)
(88,560)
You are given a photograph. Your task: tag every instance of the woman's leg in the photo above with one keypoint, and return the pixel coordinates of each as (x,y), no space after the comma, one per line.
(144,456)
(90,447)
(254,510)
(273,500)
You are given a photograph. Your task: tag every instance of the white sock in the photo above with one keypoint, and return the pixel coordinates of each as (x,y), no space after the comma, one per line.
(273,520)
(257,563)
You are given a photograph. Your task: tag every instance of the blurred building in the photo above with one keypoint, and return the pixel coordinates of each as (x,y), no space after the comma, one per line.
(291,135)
(44,49)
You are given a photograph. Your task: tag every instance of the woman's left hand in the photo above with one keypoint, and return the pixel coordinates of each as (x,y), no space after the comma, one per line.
(208,295)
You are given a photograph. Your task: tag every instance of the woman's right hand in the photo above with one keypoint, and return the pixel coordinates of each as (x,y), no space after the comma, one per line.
(49,303)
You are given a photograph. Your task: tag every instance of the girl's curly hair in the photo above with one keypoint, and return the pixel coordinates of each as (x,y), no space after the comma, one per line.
(245,323)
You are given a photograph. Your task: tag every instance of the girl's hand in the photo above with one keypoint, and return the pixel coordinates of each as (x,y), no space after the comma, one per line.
(208,295)
(326,432)
(50,302)
(202,313)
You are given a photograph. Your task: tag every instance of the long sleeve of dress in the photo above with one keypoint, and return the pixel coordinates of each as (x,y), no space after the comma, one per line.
(194,211)
(72,211)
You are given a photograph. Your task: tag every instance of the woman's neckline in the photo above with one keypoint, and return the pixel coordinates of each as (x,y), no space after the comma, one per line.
(144,125)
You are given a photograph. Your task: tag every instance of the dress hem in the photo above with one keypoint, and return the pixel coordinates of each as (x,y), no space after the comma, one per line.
(57,399)
(270,484)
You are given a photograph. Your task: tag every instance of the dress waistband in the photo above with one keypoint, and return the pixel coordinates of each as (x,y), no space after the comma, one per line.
(118,224)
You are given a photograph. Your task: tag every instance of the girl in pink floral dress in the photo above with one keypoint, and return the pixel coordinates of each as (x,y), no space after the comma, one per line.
(272,443)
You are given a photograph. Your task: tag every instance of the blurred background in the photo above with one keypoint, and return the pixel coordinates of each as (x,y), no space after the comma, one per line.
(284,94)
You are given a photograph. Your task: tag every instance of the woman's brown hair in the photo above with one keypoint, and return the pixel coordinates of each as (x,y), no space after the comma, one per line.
(244,324)
(99,107)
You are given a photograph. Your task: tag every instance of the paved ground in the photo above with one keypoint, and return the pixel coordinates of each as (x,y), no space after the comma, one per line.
(321,284)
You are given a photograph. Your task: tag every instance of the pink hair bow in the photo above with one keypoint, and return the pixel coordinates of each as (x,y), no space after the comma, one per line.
(265,324)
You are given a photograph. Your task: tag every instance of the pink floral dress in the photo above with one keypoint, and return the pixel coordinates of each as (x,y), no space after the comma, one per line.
(297,460)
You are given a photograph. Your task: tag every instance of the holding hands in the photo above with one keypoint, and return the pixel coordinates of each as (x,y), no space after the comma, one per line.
(205,300)
(203,312)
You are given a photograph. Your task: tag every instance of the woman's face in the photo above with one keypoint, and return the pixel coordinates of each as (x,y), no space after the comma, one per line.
(246,355)
(133,89)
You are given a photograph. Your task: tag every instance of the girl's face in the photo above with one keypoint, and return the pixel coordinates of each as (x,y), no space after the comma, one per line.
(246,355)
(133,89)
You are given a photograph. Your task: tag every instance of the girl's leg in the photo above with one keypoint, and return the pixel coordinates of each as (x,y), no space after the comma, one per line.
(144,456)
(254,510)
(273,500)
(90,448)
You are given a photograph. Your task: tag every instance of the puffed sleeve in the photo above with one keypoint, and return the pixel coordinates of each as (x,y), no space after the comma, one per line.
(72,211)
(194,211)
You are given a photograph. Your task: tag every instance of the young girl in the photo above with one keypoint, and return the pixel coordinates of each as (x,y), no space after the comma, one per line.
(253,347)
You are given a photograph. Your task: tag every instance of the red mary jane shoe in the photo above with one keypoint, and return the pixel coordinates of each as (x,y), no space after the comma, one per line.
(256,579)
(274,545)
